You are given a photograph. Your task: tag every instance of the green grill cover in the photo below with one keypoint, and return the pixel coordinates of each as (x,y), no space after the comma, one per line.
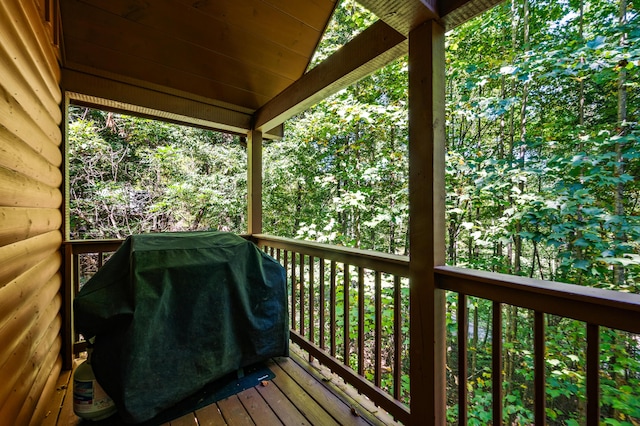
(173,312)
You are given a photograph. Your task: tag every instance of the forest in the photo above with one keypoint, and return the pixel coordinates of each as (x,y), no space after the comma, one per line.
(543,160)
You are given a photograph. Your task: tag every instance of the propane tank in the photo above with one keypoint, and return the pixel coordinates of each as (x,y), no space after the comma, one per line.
(90,401)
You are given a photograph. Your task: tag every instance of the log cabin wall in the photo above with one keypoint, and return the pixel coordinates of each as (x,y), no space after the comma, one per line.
(30,203)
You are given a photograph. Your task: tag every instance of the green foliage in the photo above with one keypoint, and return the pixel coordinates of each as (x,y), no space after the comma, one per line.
(130,175)
(541,177)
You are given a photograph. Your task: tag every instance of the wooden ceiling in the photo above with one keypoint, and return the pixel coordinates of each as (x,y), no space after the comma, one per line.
(220,61)
(240,53)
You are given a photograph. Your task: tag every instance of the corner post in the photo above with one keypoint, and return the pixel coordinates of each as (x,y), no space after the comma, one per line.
(254,182)
(426,219)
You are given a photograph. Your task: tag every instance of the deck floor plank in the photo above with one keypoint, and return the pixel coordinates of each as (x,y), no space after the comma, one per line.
(313,411)
(210,416)
(296,396)
(345,414)
(186,420)
(55,404)
(234,412)
(280,404)
(257,407)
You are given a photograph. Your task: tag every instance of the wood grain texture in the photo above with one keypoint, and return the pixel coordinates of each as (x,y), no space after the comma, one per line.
(17,190)
(23,84)
(213,33)
(43,386)
(370,50)
(26,33)
(89,57)
(311,410)
(254,182)
(31,382)
(262,18)
(48,410)
(17,327)
(338,409)
(134,99)
(426,215)
(29,349)
(19,291)
(15,119)
(18,156)
(157,46)
(19,257)
(210,416)
(30,157)
(403,15)
(593,305)
(21,223)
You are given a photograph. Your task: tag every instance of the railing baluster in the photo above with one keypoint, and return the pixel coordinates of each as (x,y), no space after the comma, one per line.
(397,337)
(361,320)
(539,368)
(496,358)
(301,306)
(332,309)
(378,330)
(345,315)
(321,319)
(278,255)
(312,297)
(593,375)
(293,290)
(463,365)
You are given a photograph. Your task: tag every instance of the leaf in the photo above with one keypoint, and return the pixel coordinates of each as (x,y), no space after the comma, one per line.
(581,264)
(573,357)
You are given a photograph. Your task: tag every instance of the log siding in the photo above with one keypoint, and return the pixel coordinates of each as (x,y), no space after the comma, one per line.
(30,215)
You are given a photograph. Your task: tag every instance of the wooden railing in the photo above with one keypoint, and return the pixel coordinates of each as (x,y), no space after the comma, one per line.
(349,310)
(339,306)
(82,259)
(595,307)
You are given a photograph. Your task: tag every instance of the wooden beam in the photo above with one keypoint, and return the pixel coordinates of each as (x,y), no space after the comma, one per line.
(426,215)
(457,12)
(402,15)
(254,182)
(373,48)
(100,92)
(405,15)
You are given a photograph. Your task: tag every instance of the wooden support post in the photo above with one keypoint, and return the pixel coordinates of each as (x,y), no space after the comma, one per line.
(254,182)
(426,213)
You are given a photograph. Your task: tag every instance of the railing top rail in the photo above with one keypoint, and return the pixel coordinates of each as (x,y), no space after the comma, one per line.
(389,263)
(607,308)
(93,246)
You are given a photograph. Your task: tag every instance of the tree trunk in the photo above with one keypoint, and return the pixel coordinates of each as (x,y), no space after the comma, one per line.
(619,270)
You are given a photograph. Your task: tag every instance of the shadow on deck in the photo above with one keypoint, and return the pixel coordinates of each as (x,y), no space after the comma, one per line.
(301,393)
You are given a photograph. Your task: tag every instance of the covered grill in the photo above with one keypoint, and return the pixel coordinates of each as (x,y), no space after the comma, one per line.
(173,312)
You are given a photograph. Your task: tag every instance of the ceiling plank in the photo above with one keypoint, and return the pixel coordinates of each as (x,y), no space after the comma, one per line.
(402,15)
(114,32)
(311,12)
(88,55)
(264,19)
(370,50)
(457,12)
(183,22)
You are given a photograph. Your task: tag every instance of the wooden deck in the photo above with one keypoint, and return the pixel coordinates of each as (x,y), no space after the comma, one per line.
(301,393)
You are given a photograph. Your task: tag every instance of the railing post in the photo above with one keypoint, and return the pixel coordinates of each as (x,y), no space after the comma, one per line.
(426,218)
(593,375)
(254,182)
